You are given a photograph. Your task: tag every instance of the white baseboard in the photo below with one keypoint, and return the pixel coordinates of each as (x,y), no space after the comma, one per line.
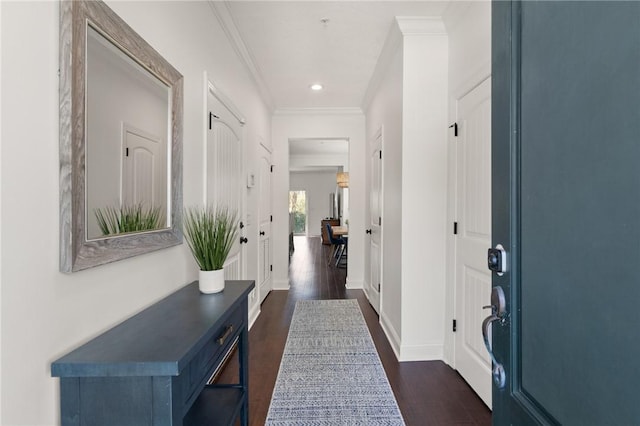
(425,352)
(449,362)
(392,336)
(448,356)
(353,284)
(366,290)
(281,285)
(253,315)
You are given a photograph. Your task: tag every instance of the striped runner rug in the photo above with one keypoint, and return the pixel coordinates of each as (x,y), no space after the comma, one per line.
(330,372)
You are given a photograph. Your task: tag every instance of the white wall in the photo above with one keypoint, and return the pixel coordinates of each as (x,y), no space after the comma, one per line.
(415,171)
(309,124)
(424,189)
(45,313)
(318,186)
(469,28)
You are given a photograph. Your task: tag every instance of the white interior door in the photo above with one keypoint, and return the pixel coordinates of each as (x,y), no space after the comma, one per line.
(375,224)
(473,206)
(224,173)
(143,171)
(264,223)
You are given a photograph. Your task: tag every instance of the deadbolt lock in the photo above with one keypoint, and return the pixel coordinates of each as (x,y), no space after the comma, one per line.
(497,259)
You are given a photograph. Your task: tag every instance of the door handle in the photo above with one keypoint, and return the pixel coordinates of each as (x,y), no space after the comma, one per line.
(368,231)
(261,232)
(243,240)
(498,313)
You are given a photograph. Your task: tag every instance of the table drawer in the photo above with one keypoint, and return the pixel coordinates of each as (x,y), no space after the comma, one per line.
(205,361)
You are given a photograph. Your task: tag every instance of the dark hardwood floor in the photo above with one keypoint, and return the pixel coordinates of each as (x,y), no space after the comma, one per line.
(428,392)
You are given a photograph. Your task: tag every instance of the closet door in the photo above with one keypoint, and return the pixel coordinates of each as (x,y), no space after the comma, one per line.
(225,184)
(264,213)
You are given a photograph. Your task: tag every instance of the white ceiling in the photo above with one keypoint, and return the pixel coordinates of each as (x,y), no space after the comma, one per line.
(290,48)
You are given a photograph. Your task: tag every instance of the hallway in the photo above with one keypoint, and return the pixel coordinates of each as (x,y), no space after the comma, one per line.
(428,393)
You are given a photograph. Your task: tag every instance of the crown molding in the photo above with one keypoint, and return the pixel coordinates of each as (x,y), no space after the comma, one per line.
(421,25)
(313,169)
(389,50)
(223,14)
(404,26)
(318,111)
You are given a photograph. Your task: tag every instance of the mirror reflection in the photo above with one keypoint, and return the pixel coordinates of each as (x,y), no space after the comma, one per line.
(128,135)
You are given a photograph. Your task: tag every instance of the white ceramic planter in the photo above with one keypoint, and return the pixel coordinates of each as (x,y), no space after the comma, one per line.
(211,281)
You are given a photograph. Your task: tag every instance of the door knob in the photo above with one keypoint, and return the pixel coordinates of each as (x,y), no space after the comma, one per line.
(261,232)
(368,231)
(243,240)
(498,313)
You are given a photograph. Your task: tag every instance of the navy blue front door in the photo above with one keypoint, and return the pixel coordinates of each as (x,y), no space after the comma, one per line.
(566,206)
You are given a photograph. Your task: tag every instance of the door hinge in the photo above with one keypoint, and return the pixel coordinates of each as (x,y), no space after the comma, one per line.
(379,221)
(378,287)
(271,268)
(455,228)
(271,218)
(271,168)
(455,129)
(126,152)
(455,326)
(381,154)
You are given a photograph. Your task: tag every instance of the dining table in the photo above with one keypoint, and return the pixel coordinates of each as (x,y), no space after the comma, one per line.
(340,230)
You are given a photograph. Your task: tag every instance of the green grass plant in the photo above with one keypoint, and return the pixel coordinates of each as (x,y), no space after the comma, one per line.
(128,218)
(210,234)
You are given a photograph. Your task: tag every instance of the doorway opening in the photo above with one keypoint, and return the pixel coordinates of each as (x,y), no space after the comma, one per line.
(298,211)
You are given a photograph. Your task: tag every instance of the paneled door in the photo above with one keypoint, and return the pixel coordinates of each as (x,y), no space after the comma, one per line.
(225,184)
(143,173)
(374,289)
(473,214)
(264,214)
(566,206)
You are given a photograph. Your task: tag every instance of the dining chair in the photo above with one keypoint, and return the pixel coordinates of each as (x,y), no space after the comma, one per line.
(342,252)
(336,244)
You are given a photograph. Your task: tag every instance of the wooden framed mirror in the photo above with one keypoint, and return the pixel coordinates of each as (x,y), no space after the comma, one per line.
(120,141)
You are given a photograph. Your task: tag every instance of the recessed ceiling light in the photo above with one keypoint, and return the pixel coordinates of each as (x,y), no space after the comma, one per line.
(316,87)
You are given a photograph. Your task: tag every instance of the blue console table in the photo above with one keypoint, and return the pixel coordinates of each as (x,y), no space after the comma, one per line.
(154,368)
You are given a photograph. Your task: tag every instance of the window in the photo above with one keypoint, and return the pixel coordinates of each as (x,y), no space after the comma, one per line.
(298,207)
